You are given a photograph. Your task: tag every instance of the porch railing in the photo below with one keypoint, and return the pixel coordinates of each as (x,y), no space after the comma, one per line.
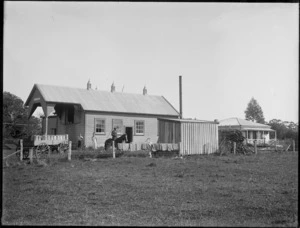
(261,141)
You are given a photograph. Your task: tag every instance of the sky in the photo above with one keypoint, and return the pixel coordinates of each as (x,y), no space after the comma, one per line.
(226,53)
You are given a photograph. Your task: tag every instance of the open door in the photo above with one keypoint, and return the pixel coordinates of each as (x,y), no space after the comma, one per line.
(129,134)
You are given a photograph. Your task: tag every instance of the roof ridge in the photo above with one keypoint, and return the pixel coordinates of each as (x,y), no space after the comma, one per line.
(250,122)
(60,86)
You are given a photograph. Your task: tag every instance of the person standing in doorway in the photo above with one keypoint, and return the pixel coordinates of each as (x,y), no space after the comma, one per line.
(94,139)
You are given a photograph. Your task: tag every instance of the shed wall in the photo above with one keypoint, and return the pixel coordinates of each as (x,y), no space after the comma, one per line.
(199,138)
(169,131)
(196,138)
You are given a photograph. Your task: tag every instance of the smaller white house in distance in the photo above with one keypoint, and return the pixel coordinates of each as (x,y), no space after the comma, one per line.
(262,133)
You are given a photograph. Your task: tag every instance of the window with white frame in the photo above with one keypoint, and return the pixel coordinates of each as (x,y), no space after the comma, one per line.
(139,126)
(100,126)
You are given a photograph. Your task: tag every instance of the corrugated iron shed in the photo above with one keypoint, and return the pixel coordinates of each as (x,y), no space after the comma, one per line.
(194,136)
(96,100)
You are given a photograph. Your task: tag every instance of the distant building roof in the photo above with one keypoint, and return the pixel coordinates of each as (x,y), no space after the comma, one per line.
(96,100)
(243,124)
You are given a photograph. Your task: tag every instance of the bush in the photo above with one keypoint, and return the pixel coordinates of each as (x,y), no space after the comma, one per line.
(249,145)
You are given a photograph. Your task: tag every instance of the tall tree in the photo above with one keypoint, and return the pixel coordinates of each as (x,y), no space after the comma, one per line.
(254,112)
(15,118)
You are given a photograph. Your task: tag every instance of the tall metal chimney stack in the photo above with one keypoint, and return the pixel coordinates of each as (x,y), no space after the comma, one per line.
(180,96)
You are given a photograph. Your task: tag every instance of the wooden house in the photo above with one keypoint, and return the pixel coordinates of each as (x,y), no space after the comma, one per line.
(85,111)
(261,133)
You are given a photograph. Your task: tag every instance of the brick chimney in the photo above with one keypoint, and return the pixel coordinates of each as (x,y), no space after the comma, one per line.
(89,85)
(145,91)
(113,88)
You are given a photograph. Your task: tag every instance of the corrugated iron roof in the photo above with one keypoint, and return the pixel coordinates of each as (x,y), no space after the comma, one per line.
(259,129)
(234,121)
(188,120)
(96,100)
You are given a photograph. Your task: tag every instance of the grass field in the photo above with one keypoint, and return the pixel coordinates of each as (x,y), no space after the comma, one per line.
(207,190)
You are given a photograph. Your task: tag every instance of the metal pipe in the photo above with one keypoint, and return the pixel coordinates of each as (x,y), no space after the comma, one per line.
(46,119)
(180,96)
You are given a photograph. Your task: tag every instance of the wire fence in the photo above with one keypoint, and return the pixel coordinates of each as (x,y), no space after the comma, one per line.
(227,146)
(284,145)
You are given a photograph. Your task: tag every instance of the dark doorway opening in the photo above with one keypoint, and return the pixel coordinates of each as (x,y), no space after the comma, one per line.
(129,133)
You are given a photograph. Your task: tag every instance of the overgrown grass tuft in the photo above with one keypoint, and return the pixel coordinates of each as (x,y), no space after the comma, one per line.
(139,153)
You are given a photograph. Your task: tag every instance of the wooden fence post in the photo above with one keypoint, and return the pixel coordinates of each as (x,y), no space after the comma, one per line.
(234,147)
(21,149)
(70,151)
(180,148)
(275,145)
(255,147)
(113,149)
(49,152)
(31,155)
(294,146)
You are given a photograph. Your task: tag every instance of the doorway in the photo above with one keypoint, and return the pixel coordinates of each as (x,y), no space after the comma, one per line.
(129,134)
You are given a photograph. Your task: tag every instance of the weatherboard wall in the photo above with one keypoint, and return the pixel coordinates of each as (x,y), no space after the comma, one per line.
(150,123)
(52,123)
(199,138)
(73,130)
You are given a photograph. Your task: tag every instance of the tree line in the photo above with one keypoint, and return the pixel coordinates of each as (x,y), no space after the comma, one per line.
(284,129)
(16,124)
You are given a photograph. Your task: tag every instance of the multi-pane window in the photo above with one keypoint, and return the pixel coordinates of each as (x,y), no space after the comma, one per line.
(100,126)
(139,127)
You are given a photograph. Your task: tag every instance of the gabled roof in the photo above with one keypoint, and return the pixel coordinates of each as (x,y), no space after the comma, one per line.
(96,100)
(234,121)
